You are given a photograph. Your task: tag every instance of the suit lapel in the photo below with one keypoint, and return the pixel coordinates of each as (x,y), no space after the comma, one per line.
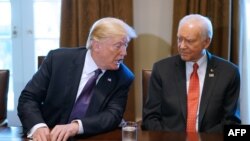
(209,83)
(181,81)
(74,73)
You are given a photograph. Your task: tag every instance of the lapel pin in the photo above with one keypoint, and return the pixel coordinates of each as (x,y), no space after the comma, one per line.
(211,75)
(109,79)
(211,70)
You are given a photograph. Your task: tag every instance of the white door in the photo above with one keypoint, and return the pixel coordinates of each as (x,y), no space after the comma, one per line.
(28,28)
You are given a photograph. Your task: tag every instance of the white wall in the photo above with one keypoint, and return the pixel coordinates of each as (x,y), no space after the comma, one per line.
(153,24)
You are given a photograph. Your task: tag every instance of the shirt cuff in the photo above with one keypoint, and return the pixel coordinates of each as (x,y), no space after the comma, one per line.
(34,128)
(80,129)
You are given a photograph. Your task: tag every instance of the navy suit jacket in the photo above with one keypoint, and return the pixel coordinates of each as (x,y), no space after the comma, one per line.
(50,95)
(166,104)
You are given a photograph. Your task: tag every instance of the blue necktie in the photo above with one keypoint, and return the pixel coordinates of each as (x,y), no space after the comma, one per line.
(82,103)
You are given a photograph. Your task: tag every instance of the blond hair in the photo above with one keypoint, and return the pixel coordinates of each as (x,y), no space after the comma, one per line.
(108,27)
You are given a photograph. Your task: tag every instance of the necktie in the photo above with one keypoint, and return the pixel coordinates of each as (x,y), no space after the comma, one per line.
(192,136)
(81,104)
(193,99)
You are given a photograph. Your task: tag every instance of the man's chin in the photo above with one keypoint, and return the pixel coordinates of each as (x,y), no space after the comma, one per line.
(185,58)
(115,67)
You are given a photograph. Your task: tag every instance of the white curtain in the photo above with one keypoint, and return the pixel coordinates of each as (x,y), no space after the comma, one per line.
(245,61)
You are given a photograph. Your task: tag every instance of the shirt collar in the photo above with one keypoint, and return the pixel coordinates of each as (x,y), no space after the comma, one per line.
(200,62)
(89,64)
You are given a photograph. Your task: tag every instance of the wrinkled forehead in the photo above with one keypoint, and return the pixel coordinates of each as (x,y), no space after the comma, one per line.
(189,30)
(116,39)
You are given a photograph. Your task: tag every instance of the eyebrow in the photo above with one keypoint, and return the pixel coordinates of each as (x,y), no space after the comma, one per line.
(121,42)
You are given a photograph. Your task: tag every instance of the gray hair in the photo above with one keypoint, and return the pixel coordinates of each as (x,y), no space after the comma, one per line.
(207,28)
(108,27)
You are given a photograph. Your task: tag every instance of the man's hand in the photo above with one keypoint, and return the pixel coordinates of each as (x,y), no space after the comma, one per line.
(63,132)
(41,134)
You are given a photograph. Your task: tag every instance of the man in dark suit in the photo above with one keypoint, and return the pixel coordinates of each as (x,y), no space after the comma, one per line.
(218,84)
(46,103)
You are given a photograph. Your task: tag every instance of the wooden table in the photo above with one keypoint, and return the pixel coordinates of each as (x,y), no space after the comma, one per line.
(15,134)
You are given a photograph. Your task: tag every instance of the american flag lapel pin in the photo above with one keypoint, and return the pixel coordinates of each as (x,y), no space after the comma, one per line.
(211,73)
(109,79)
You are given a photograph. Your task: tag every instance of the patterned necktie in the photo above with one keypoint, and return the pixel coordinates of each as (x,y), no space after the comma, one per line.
(193,99)
(192,136)
(81,104)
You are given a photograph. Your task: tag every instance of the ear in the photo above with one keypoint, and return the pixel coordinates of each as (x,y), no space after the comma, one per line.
(95,45)
(207,42)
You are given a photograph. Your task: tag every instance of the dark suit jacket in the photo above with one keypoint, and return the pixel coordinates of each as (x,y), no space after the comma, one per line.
(166,109)
(50,95)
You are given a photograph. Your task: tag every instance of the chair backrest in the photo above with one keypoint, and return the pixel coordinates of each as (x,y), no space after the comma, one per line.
(145,82)
(4,88)
(40,60)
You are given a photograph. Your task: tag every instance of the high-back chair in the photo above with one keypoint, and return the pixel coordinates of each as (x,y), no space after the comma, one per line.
(145,82)
(40,60)
(146,74)
(4,88)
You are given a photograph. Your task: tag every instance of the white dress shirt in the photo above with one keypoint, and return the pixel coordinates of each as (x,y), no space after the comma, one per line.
(202,62)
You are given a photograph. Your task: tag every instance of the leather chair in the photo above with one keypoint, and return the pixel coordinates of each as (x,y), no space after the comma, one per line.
(40,60)
(4,88)
(145,82)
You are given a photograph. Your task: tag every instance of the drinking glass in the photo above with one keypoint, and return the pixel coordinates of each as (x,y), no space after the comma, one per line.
(129,131)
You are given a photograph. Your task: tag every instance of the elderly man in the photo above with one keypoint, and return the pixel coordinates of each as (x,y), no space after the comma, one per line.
(193,91)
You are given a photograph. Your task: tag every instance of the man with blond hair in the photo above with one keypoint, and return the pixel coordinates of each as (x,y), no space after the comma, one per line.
(80,91)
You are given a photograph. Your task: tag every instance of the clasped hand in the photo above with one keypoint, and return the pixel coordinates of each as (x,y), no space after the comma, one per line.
(58,133)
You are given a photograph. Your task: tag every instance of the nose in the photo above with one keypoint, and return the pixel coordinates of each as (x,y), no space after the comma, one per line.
(181,44)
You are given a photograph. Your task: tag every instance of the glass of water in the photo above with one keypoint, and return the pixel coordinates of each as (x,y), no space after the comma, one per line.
(129,131)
